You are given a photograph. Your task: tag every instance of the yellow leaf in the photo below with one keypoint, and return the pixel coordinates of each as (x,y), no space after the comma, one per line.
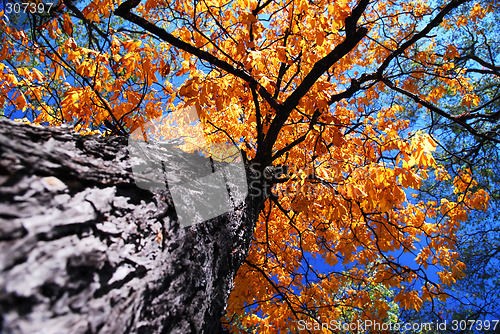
(21,102)
(320,38)
(38,75)
(67,24)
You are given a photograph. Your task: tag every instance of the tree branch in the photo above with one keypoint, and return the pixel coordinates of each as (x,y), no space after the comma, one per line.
(455,119)
(124,12)
(300,139)
(436,21)
(353,37)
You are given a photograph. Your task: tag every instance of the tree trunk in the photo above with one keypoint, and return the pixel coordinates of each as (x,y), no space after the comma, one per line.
(84,250)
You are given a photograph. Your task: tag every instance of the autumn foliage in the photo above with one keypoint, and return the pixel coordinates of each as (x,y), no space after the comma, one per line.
(317,86)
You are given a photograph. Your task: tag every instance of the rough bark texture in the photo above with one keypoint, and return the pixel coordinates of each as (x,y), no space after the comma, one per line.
(79,251)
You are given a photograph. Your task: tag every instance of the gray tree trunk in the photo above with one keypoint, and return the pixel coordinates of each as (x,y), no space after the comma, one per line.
(84,250)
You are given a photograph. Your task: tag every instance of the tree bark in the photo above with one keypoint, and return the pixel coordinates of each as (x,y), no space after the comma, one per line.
(84,250)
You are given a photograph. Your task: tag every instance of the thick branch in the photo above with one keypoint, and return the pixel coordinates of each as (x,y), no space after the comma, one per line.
(353,37)
(355,86)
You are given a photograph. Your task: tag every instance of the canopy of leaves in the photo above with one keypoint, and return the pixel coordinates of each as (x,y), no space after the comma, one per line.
(296,83)
(474,297)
